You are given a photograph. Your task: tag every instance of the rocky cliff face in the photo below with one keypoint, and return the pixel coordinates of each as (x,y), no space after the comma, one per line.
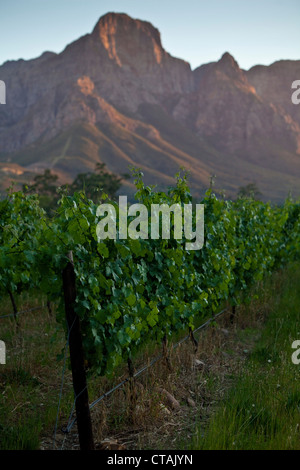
(273,83)
(135,103)
(135,47)
(237,114)
(122,60)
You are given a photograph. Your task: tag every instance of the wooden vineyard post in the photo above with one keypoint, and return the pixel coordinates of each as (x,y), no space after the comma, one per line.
(232,315)
(15,310)
(193,339)
(83,416)
(49,307)
(165,352)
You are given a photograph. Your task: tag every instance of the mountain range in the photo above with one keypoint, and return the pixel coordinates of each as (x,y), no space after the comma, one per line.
(116,96)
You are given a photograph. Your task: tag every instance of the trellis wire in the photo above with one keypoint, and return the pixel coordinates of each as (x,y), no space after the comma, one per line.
(70,424)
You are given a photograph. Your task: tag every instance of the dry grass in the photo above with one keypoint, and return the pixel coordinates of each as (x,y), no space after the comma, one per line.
(138,415)
(148,421)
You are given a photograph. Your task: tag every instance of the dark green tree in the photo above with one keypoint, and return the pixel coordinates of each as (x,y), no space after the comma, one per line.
(45,185)
(97,182)
(250,191)
(93,183)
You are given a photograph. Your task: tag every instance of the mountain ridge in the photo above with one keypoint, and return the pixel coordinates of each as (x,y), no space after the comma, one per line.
(118,82)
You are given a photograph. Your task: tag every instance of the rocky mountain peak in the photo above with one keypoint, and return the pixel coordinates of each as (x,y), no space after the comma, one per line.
(229,60)
(229,66)
(114,31)
(226,70)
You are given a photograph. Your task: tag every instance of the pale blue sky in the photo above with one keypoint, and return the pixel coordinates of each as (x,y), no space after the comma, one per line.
(199,31)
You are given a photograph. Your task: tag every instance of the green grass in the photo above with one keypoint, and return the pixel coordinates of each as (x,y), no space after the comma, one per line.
(261,411)
(29,382)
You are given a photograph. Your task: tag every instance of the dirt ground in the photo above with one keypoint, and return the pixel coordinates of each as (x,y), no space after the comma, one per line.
(170,403)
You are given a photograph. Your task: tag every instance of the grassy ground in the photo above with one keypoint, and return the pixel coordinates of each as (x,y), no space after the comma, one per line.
(262,408)
(243,393)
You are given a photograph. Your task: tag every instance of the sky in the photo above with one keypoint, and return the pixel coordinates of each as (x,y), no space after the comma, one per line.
(198,31)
